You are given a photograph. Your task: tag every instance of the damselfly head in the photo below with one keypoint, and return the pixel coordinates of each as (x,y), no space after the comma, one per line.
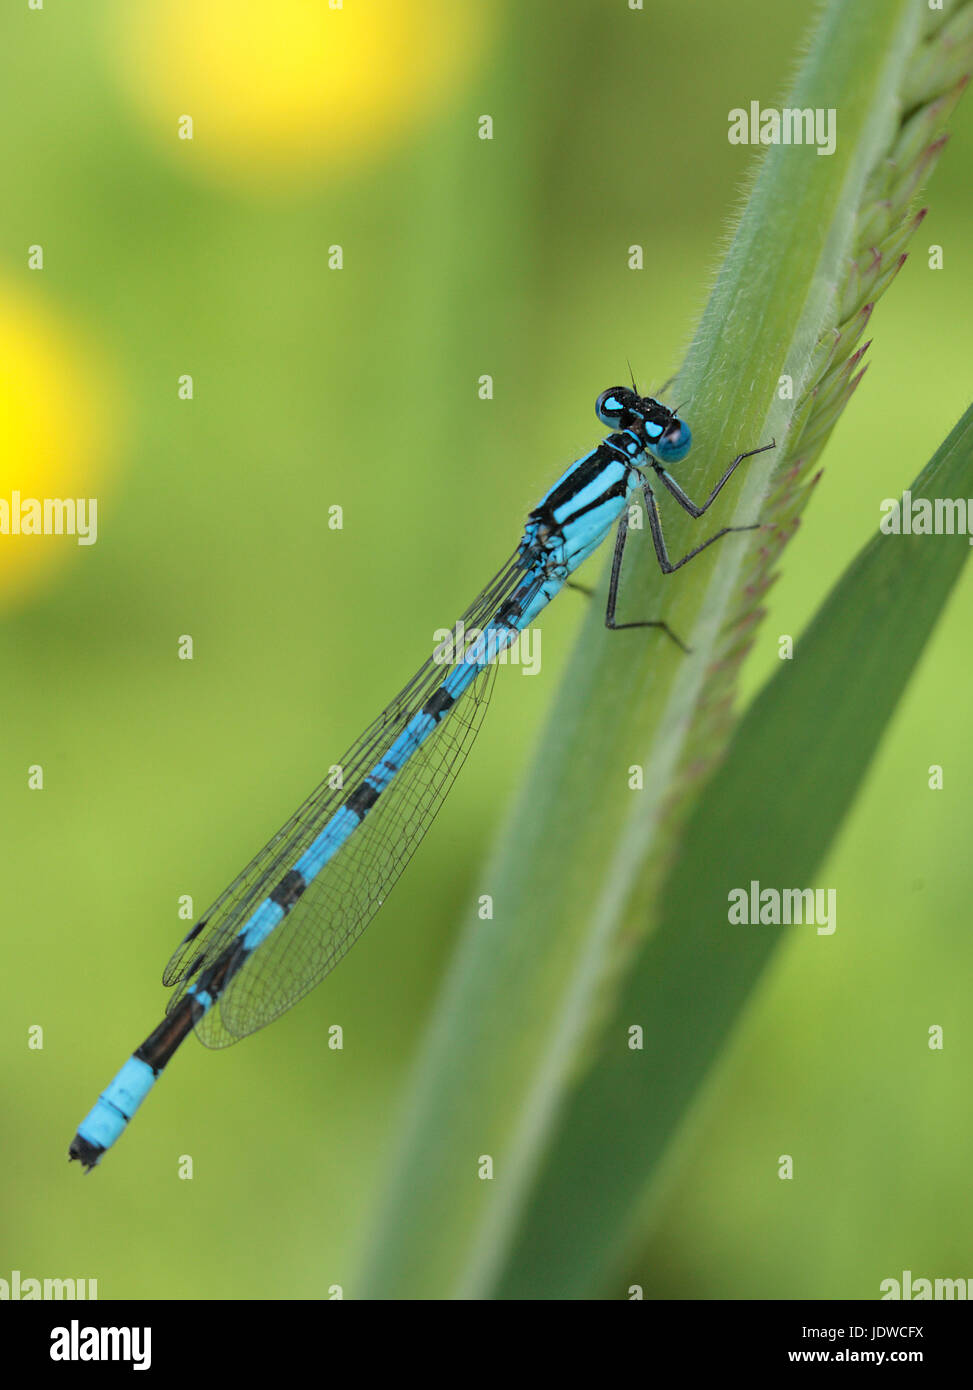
(667,436)
(621,408)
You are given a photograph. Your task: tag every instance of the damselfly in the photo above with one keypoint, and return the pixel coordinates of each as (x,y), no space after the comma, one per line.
(298,906)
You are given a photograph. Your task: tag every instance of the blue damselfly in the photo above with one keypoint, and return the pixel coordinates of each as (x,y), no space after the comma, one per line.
(298,906)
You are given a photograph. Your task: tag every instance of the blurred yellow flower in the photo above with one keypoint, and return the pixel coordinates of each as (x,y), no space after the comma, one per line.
(52,442)
(276,88)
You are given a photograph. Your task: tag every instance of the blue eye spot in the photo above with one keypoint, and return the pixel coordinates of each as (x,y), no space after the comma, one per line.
(613,405)
(652,429)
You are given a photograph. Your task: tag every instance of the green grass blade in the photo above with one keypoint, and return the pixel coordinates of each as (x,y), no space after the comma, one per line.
(576,875)
(771,813)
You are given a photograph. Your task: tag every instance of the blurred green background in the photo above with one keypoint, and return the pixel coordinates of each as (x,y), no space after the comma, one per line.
(358,387)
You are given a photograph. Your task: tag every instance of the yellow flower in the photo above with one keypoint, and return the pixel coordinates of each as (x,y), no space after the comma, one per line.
(278,88)
(52,439)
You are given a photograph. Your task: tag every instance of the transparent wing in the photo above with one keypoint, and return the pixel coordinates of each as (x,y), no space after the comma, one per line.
(337,905)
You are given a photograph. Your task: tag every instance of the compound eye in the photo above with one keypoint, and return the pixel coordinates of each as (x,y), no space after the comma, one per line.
(612,406)
(675,441)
